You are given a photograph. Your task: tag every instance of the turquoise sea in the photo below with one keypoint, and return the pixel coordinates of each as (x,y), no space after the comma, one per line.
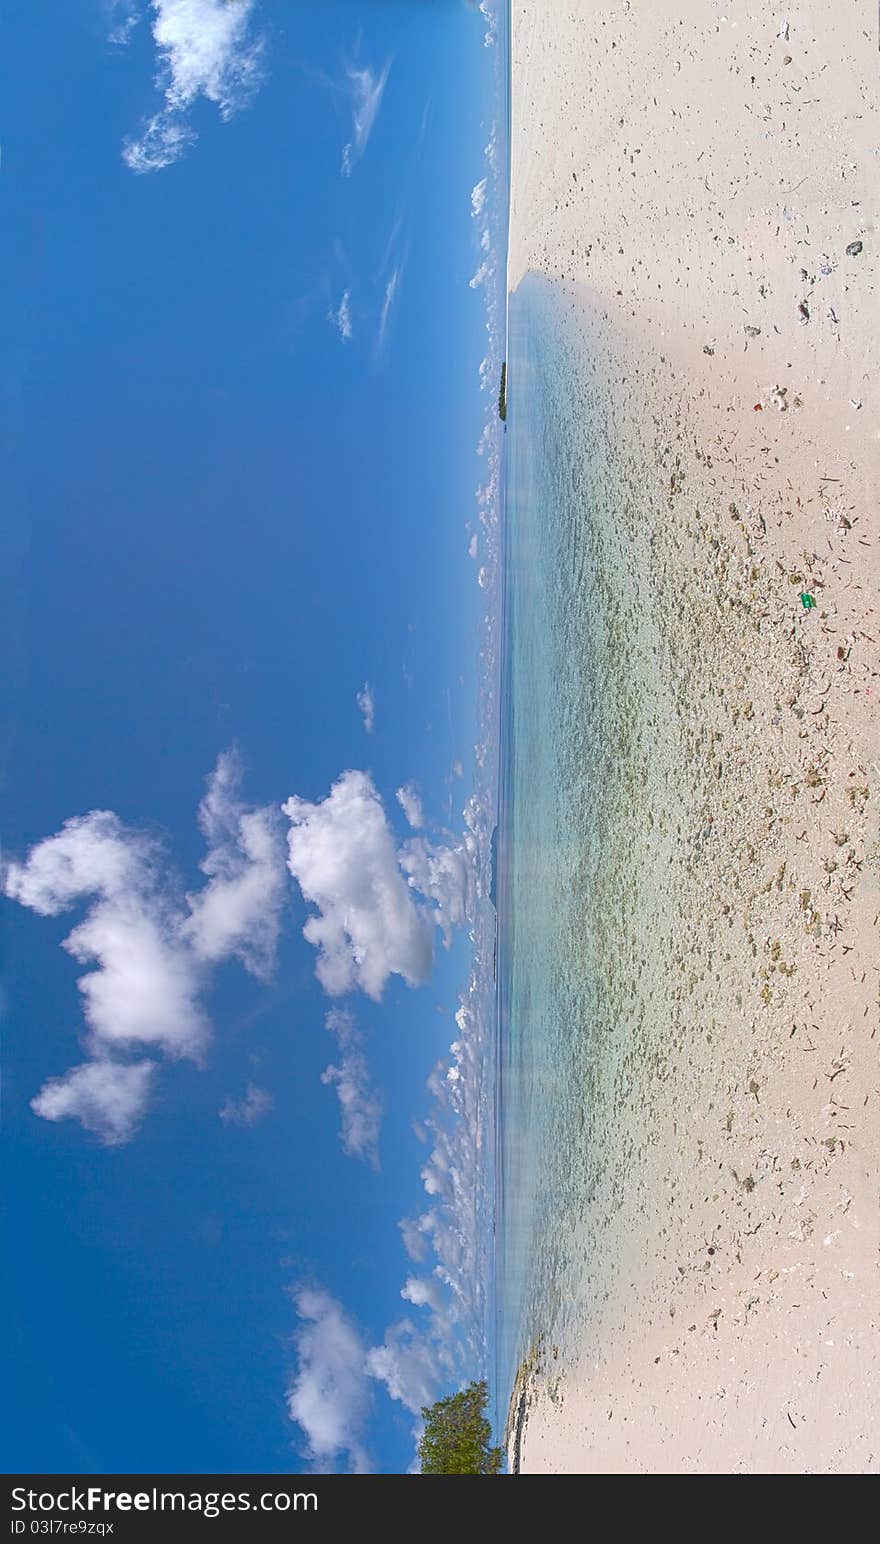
(547,815)
(576,731)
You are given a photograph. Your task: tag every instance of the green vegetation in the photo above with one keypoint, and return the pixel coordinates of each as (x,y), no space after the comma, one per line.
(502,395)
(457,1435)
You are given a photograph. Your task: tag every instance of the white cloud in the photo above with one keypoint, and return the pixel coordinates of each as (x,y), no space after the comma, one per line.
(238,912)
(152,955)
(453,1231)
(478,197)
(329,1397)
(341,853)
(366,90)
(424,1292)
(145,988)
(416,1233)
(248,1110)
(367,706)
(123,18)
(388,301)
(444,874)
(407,1364)
(341,317)
(411,805)
(106,1097)
(359,1104)
(205,48)
(489,14)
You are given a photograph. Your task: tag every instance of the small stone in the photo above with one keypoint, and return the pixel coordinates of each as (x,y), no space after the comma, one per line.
(804,311)
(854,248)
(707,349)
(752,332)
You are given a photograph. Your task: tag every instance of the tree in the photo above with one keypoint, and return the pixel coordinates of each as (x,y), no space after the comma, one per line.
(457,1435)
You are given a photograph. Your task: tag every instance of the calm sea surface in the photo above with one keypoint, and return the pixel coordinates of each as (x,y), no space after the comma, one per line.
(573,789)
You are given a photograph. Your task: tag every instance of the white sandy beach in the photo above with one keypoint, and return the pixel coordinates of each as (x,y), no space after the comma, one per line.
(693,174)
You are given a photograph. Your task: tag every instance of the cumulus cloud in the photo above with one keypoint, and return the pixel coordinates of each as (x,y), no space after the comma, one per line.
(411,805)
(247,1111)
(453,1174)
(442,873)
(450,1235)
(407,1364)
(365,89)
(416,1233)
(238,912)
(152,954)
(368,925)
(341,317)
(205,48)
(424,1292)
(329,1396)
(145,988)
(106,1097)
(367,706)
(360,1106)
(443,1343)
(478,197)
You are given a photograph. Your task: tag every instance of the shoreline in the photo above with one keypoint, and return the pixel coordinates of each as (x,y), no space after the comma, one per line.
(725,1259)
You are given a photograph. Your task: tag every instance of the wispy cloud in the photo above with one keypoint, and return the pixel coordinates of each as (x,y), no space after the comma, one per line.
(416,1235)
(152,955)
(407,1364)
(483,273)
(237,913)
(247,1111)
(341,317)
(366,702)
(360,1106)
(365,88)
(442,873)
(123,17)
(205,48)
(478,197)
(411,804)
(391,289)
(330,1394)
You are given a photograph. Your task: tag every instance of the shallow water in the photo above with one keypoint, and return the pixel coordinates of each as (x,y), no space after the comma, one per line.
(578,723)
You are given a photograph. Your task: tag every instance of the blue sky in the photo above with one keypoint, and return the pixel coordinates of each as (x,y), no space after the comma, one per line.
(240,361)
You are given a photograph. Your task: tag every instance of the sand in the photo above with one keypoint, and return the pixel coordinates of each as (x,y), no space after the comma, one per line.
(692,174)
